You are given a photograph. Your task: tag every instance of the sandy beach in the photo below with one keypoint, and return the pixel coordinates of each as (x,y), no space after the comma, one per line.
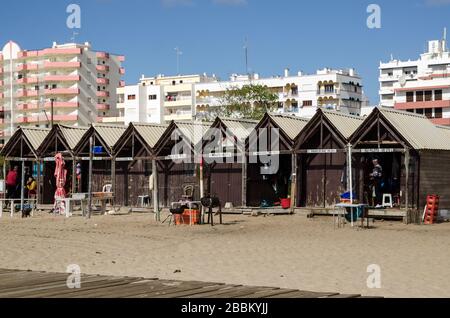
(279,251)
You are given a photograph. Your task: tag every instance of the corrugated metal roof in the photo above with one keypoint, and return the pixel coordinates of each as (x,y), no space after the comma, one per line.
(239,128)
(110,133)
(344,123)
(418,130)
(151,133)
(292,125)
(73,135)
(35,135)
(194,131)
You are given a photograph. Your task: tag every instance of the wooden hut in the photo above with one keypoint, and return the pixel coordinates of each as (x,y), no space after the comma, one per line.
(280,132)
(224,158)
(104,138)
(22,150)
(178,157)
(321,156)
(61,139)
(414,155)
(134,157)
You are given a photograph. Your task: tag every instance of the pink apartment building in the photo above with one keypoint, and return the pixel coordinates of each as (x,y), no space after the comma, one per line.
(78,82)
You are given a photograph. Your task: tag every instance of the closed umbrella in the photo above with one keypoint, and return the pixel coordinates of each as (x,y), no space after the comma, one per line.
(60,176)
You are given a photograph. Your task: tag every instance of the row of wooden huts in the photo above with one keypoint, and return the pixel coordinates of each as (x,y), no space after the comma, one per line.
(312,156)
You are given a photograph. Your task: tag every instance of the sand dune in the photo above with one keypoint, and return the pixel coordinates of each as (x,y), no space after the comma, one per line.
(282,251)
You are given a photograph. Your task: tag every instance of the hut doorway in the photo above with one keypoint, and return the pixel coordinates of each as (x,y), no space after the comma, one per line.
(391,164)
(267,190)
(323,179)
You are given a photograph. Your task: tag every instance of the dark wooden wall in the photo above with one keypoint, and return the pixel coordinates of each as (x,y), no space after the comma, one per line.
(172,181)
(435,177)
(132,181)
(226,183)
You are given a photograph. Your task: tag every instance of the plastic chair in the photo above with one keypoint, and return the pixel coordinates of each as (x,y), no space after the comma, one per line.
(388,201)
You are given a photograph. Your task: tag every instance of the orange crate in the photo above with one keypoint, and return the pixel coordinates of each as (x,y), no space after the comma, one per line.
(187,217)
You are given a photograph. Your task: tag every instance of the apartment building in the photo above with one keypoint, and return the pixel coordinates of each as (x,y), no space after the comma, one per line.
(421,86)
(299,94)
(79,84)
(158,99)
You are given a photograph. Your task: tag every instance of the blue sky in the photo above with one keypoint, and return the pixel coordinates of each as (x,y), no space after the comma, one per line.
(301,35)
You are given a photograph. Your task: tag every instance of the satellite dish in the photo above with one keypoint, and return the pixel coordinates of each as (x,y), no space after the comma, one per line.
(402,80)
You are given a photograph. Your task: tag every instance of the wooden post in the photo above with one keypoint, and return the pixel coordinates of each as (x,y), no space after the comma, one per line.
(407,160)
(22,187)
(38,180)
(244,180)
(113,178)
(155,191)
(74,175)
(294,182)
(91,145)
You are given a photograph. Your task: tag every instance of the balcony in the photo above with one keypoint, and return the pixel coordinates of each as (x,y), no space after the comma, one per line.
(27,80)
(103,107)
(25,93)
(62,78)
(27,67)
(1,70)
(62,91)
(102,94)
(57,118)
(121,58)
(122,71)
(2,83)
(47,105)
(62,65)
(59,51)
(121,83)
(103,81)
(27,54)
(2,96)
(102,55)
(428,104)
(102,68)
(441,121)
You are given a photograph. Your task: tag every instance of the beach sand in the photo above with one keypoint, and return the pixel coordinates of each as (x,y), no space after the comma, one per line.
(279,251)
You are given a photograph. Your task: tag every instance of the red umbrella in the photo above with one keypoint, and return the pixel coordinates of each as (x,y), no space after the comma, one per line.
(60,176)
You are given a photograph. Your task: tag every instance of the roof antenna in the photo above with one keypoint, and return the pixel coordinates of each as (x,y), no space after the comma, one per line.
(246,55)
(444,40)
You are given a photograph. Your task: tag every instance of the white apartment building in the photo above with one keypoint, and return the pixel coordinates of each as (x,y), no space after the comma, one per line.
(420,86)
(163,99)
(299,94)
(158,99)
(77,82)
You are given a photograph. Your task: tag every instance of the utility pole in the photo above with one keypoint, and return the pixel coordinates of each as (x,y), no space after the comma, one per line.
(51,112)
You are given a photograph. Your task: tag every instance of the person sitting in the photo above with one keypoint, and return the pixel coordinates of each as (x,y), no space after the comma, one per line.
(31,188)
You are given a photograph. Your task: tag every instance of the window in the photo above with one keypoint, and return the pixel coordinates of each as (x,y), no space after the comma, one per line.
(419,96)
(429,112)
(152,97)
(174,83)
(428,96)
(89,61)
(419,111)
(36,88)
(54,86)
(438,113)
(181,82)
(131,97)
(329,88)
(307,103)
(438,95)
(410,97)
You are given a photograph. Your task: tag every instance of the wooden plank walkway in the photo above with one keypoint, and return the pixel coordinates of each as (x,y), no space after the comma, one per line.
(27,284)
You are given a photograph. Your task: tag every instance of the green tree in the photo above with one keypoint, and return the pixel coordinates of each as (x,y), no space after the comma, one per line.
(249,102)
